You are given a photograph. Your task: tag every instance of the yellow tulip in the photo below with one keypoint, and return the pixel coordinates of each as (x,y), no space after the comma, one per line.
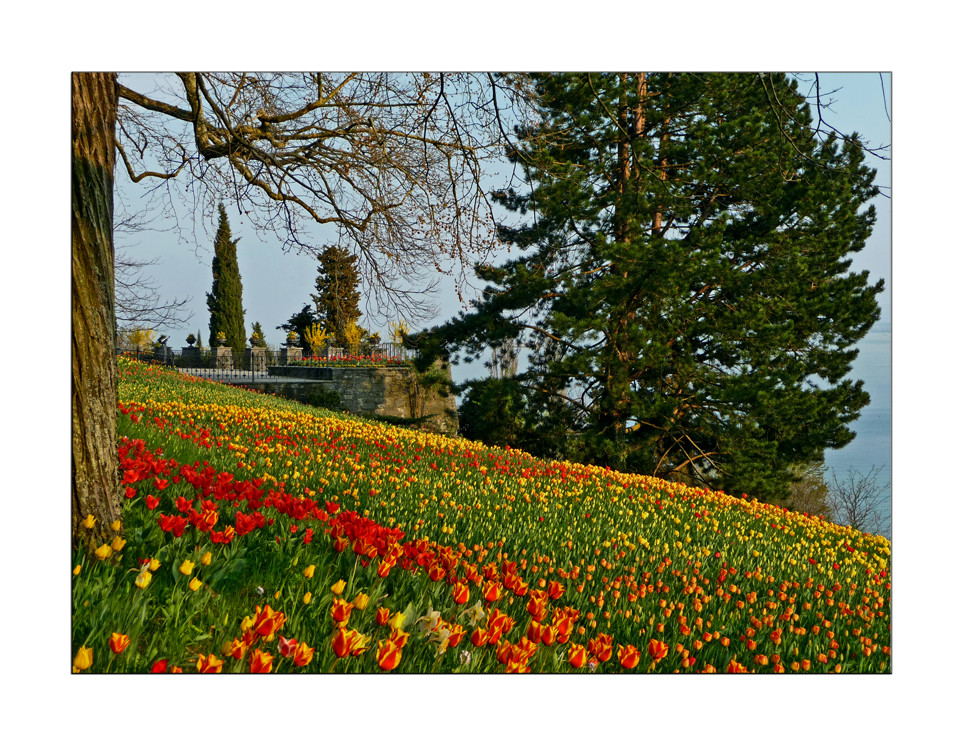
(307,598)
(89,521)
(338,587)
(186,568)
(103,552)
(153,565)
(115,526)
(206,559)
(361,601)
(143,579)
(309,572)
(194,584)
(118,543)
(84,658)
(77,570)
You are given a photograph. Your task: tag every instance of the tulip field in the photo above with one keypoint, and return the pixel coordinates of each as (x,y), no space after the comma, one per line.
(262,535)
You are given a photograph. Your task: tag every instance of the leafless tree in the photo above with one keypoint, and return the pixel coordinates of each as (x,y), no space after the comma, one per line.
(137,295)
(808,490)
(393,163)
(858,500)
(138,298)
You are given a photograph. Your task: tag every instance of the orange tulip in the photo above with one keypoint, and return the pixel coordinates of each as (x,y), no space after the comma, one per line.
(456,635)
(534,631)
(209,665)
(657,650)
(735,667)
(628,656)
(267,621)
(118,642)
(460,593)
(577,655)
(602,647)
(236,649)
(303,654)
(479,637)
(341,643)
(341,611)
(388,656)
(382,615)
(357,642)
(260,662)
(399,638)
(537,608)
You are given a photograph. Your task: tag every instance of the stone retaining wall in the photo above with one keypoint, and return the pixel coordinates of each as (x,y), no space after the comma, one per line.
(392,392)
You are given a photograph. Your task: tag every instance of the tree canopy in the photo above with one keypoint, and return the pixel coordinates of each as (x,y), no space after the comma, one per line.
(684,293)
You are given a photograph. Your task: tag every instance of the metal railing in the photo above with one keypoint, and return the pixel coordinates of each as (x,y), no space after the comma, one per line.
(257,362)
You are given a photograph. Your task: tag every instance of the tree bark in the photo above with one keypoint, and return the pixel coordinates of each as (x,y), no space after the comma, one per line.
(95,484)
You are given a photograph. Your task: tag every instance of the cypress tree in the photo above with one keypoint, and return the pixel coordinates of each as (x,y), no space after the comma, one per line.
(685,290)
(224,300)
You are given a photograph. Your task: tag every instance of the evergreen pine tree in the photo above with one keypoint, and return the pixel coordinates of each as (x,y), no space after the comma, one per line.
(224,300)
(337,298)
(299,323)
(685,290)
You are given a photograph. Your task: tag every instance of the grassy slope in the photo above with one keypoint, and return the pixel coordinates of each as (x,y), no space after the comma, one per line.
(640,559)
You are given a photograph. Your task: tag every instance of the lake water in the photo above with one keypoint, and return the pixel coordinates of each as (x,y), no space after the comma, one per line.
(873,444)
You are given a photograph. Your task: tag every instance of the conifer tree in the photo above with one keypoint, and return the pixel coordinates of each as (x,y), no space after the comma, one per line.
(337,298)
(224,300)
(685,290)
(299,323)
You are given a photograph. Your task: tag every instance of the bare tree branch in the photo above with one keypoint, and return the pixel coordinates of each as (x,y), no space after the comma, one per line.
(395,163)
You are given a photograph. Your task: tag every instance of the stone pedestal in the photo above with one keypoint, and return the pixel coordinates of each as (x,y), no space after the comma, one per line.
(163,354)
(288,355)
(223,358)
(256,359)
(190,357)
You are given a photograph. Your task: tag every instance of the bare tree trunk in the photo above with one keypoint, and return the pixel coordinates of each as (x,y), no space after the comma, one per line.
(95,485)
